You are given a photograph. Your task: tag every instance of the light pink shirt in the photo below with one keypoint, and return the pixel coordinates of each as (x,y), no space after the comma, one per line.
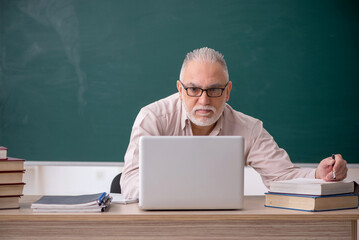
(167,117)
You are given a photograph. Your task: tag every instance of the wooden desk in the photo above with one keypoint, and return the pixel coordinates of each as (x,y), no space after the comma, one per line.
(129,222)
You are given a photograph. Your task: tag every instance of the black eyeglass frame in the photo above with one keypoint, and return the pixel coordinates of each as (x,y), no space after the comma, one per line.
(205,90)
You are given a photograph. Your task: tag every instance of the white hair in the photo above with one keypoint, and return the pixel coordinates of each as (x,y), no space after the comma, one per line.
(207,55)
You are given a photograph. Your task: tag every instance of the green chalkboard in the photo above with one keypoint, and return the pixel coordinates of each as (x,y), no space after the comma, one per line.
(74,74)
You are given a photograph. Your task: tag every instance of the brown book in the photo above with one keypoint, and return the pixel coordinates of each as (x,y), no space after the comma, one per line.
(9,202)
(12,164)
(11,177)
(310,202)
(3,153)
(11,189)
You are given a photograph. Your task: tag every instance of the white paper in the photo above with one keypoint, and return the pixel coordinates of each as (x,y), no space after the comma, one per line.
(119,198)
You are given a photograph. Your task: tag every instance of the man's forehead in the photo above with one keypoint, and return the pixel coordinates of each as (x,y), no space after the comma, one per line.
(204,72)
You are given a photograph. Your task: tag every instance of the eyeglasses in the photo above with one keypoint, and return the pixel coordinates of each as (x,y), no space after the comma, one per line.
(211,92)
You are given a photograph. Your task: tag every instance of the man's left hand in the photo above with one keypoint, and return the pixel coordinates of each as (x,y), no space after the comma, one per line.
(328,165)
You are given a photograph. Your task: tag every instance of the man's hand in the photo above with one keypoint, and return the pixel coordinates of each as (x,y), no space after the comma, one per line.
(328,165)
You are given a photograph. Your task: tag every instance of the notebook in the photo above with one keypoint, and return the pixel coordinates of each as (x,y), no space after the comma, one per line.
(191,172)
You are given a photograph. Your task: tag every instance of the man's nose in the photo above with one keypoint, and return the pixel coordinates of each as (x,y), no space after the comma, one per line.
(204,99)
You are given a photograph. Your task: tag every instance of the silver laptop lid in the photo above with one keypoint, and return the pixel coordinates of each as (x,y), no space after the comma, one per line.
(194,172)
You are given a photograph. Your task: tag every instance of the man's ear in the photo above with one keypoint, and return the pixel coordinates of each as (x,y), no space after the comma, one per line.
(180,89)
(228,89)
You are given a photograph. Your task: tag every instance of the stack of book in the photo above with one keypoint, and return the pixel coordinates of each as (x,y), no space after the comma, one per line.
(98,202)
(11,175)
(311,195)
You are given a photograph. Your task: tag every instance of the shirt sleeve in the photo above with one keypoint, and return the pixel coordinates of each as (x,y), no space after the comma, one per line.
(270,161)
(146,124)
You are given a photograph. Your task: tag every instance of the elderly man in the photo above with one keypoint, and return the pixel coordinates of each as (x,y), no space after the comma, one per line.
(200,108)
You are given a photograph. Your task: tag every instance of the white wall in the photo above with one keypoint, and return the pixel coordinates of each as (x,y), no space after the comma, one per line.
(52,180)
(71,180)
(76,179)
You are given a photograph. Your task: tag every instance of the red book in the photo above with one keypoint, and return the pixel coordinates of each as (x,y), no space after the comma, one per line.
(11,164)
(11,189)
(11,176)
(9,202)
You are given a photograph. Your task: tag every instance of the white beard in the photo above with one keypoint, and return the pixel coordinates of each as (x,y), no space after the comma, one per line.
(204,121)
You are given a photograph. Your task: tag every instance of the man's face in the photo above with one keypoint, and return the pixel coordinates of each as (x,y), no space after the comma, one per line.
(204,110)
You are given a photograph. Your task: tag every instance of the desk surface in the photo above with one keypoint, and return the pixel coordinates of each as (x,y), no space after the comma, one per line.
(129,222)
(253,210)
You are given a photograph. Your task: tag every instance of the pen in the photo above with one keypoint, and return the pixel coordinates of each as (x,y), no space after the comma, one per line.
(334,176)
(101,198)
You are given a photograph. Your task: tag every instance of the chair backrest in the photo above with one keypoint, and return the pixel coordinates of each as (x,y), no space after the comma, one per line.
(115,185)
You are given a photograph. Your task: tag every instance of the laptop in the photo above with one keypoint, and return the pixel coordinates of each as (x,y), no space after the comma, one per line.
(191,172)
